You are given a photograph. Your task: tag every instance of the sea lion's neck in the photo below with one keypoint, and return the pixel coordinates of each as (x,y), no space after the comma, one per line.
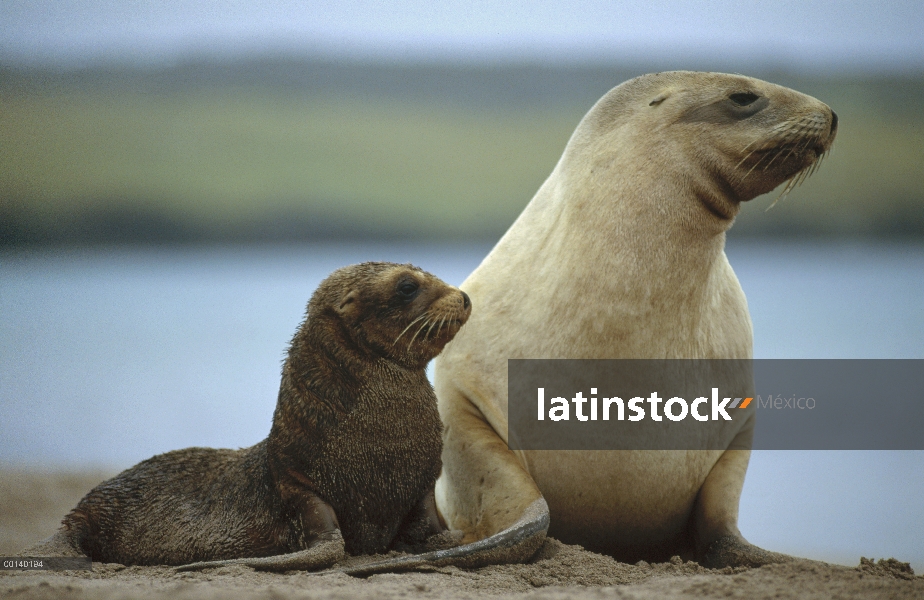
(320,380)
(656,278)
(325,377)
(653,243)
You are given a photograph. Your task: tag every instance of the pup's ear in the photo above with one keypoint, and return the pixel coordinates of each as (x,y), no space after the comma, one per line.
(348,302)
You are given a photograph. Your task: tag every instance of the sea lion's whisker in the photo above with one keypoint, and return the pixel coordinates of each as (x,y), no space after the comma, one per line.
(417,333)
(814,166)
(775,156)
(754,166)
(788,154)
(408,327)
(755,141)
(760,141)
(747,156)
(821,158)
(439,324)
(797,178)
(440,328)
(779,135)
(749,145)
(790,185)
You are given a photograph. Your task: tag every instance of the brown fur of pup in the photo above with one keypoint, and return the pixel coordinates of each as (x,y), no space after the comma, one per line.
(354,447)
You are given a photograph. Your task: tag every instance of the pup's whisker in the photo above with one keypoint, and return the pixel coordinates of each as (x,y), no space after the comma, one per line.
(416,334)
(408,327)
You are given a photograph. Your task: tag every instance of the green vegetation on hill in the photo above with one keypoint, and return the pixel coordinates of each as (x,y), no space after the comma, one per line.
(287,150)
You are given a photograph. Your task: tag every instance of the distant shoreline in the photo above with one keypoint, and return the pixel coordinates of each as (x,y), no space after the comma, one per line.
(283,149)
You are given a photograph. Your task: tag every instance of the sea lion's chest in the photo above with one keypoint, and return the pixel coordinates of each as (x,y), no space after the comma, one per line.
(378,463)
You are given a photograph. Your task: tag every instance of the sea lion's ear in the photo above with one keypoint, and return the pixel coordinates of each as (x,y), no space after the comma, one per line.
(348,302)
(659,99)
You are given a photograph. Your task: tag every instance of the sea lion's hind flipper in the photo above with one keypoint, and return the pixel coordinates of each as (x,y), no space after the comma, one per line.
(516,544)
(319,556)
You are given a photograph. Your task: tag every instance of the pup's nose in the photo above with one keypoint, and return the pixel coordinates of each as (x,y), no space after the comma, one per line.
(466,302)
(833,122)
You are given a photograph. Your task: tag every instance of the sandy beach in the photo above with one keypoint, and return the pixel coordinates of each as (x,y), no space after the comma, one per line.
(33,502)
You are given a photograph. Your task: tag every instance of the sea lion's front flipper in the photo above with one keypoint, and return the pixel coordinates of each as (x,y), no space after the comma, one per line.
(484,488)
(735,551)
(517,543)
(323,553)
(719,543)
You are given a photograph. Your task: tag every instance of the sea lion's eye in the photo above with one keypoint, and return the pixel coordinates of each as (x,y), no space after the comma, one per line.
(744,98)
(407,290)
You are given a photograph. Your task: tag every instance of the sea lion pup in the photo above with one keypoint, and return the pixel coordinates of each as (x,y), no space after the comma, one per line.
(621,255)
(351,459)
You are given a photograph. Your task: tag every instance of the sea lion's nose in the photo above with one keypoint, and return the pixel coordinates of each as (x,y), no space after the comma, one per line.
(833,122)
(466,302)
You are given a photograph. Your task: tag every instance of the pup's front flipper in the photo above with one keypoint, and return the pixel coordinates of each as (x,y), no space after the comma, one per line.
(423,531)
(321,554)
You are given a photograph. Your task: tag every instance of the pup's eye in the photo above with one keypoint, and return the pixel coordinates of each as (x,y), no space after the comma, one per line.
(744,98)
(407,290)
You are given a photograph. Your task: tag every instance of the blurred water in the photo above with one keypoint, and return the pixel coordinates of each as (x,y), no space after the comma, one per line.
(109,357)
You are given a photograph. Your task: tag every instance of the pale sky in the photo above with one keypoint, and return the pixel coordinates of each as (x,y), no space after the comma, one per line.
(794,34)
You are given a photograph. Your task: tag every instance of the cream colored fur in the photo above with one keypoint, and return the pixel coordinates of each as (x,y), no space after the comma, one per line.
(620,254)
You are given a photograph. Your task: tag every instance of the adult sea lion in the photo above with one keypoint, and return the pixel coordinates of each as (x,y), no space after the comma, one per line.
(350,461)
(620,254)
